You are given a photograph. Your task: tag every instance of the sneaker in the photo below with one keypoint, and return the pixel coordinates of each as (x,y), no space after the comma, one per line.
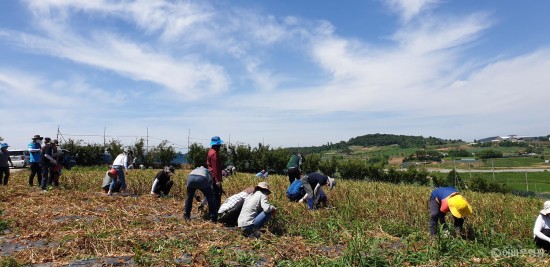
(252,233)
(256,233)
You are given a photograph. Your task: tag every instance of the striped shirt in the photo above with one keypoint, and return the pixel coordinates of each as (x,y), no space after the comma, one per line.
(232,201)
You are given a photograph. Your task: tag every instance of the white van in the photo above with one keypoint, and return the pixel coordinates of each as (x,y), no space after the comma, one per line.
(19,158)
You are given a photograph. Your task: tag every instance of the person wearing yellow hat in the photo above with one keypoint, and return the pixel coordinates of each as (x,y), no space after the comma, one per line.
(443,200)
(541,231)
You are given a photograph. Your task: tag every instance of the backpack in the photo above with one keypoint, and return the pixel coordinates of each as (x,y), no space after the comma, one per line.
(295,191)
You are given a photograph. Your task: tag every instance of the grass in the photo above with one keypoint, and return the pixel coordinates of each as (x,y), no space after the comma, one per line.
(370,224)
(538,182)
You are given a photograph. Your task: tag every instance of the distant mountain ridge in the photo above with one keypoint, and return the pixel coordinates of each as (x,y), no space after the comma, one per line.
(377,139)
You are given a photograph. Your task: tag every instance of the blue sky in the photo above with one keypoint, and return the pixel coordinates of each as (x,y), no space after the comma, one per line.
(285,73)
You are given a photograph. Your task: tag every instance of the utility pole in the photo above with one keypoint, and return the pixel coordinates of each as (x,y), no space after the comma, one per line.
(57,137)
(526,182)
(493,167)
(147,140)
(104,140)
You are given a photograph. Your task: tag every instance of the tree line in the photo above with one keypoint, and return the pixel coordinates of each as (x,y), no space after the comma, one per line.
(88,154)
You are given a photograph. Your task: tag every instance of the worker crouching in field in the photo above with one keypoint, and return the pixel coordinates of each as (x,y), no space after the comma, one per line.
(200,179)
(443,200)
(256,211)
(111,176)
(541,231)
(231,208)
(312,185)
(163,184)
(295,192)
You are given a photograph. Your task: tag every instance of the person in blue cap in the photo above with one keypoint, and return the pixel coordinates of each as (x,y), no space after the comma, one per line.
(4,159)
(215,168)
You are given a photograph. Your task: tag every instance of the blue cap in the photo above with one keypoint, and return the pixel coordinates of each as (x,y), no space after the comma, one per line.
(4,145)
(216,141)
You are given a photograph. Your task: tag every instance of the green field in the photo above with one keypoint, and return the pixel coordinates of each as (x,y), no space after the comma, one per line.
(499,163)
(368,224)
(538,182)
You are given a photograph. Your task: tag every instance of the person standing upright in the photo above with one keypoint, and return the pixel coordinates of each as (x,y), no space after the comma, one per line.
(215,167)
(121,165)
(293,167)
(47,161)
(4,159)
(35,151)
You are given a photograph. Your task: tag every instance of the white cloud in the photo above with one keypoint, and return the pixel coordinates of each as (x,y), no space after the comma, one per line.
(408,9)
(422,82)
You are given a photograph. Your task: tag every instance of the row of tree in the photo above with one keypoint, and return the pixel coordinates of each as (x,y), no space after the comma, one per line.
(87,154)
(403,141)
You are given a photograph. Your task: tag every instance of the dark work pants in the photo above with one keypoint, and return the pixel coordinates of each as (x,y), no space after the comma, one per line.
(163,188)
(437,217)
(293,174)
(217,196)
(543,243)
(4,175)
(45,175)
(35,171)
(230,216)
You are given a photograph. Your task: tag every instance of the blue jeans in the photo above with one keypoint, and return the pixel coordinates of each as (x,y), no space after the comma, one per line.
(120,171)
(209,194)
(259,221)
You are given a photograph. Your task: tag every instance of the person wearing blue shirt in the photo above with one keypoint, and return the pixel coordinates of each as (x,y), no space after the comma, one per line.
(35,152)
(447,199)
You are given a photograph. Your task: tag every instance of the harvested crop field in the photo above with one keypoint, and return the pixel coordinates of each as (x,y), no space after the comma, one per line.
(368,223)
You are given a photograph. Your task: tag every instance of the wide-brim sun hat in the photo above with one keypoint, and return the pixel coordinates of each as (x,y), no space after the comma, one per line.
(459,206)
(263,186)
(215,141)
(546,208)
(37,136)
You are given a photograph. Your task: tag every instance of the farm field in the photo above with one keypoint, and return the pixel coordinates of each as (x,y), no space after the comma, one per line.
(538,182)
(368,224)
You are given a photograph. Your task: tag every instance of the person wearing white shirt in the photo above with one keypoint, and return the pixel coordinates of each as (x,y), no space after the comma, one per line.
(231,208)
(121,165)
(256,211)
(541,231)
